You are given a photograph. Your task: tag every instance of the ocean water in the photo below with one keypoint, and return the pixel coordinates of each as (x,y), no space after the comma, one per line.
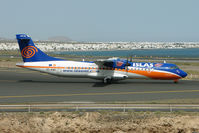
(179,53)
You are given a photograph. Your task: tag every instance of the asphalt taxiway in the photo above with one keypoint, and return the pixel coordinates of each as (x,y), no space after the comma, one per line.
(18,86)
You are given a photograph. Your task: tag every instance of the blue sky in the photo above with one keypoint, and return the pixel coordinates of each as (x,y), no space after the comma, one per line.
(102,20)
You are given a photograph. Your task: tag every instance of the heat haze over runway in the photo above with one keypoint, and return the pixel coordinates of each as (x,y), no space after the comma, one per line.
(18,86)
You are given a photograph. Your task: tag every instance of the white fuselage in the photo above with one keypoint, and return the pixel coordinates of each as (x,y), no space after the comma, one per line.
(79,69)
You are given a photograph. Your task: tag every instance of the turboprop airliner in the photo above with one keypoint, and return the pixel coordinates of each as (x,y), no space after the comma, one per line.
(106,70)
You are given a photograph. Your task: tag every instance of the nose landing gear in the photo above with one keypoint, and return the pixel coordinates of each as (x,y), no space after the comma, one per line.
(176,81)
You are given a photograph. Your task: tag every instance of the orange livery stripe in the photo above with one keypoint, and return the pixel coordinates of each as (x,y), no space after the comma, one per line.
(150,74)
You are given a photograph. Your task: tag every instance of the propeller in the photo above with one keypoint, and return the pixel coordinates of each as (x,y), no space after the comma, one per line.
(127,62)
(131,58)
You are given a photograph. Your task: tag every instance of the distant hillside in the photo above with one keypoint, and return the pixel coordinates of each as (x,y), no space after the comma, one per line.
(59,39)
(2,38)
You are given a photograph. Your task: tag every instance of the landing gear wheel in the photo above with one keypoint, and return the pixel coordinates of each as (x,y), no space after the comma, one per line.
(176,81)
(107,80)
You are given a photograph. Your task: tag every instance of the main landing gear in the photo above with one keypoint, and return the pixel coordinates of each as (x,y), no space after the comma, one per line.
(107,80)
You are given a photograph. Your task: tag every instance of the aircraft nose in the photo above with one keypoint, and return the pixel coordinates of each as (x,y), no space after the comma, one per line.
(183,74)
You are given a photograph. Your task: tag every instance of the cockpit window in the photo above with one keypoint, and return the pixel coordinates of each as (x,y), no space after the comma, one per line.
(174,67)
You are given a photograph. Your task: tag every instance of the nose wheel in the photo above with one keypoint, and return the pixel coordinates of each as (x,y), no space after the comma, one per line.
(176,81)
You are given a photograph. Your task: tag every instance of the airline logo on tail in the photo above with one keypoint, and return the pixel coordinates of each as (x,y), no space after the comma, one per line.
(29,51)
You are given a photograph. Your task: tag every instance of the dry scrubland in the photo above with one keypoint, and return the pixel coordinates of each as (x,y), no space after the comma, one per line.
(103,122)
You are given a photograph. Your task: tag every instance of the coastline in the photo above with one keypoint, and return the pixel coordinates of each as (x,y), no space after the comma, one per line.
(122,49)
(166,53)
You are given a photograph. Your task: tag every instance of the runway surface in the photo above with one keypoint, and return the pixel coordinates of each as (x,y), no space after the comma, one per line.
(17,86)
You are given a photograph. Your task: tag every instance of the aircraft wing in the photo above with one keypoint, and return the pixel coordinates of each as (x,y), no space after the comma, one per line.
(104,62)
(111,63)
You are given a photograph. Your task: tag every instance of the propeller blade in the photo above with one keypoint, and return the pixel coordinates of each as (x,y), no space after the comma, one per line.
(127,64)
(127,60)
(131,59)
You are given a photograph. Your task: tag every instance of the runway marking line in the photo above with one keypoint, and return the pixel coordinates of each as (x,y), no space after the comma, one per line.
(92,94)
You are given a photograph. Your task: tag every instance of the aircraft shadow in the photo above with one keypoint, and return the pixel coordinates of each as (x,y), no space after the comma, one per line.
(95,84)
(101,84)
(44,81)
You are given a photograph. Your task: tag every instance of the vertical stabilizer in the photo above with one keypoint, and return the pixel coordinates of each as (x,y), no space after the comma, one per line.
(29,52)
